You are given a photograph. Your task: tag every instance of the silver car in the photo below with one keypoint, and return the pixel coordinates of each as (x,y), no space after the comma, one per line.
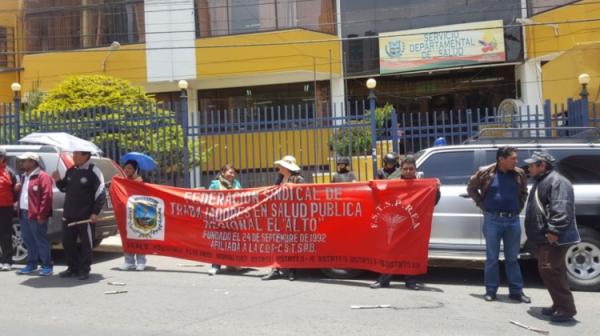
(456,231)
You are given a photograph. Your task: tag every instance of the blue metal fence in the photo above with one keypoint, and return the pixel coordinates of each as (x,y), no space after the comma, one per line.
(153,129)
(191,147)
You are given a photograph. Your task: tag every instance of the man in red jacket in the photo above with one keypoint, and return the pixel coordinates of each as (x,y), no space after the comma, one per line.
(35,207)
(8,189)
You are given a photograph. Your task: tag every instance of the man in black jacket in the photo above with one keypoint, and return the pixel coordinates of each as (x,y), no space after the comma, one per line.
(550,225)
(84,190)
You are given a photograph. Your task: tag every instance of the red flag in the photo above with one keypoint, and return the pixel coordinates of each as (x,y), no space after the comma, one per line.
(382,226)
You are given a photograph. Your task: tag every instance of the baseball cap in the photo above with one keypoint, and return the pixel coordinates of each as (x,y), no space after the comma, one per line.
(29,156)
(539,156)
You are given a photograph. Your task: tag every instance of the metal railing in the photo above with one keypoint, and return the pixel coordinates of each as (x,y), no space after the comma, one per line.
(191,147)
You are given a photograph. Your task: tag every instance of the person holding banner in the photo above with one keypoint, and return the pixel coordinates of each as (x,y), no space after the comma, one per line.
(343,174)
(225,181)
(289,172)
(407,171)
(83,185)
(500,191)
(391,164)
(131,170)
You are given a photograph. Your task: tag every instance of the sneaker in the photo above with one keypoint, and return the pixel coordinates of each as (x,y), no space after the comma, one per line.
(67,273)
(6,267)
(520,298)
(273,274)
(140,267)
(412,285)
(46,271)
(561,318)
(27,270)
(127,267)
(212,271)
(548,311)
(378,284)
(83,275)
(292,275)
(489,297)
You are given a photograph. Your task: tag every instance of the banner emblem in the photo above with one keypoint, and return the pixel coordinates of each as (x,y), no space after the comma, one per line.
(145,218)
(392,215)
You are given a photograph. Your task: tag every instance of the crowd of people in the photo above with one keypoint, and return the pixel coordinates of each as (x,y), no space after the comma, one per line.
(499,190)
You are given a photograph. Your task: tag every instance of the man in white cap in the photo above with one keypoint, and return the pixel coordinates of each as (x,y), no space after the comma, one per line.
(35,208)
(9,187)
(84,190)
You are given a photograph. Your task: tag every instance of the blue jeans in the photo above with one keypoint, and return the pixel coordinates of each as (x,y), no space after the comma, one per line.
(36,239)
(507,230)
(131,258)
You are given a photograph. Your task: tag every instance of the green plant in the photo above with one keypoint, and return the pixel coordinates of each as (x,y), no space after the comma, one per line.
(112,113)
(34,97)
(354,137)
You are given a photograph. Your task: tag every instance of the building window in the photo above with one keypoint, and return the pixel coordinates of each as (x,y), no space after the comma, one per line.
(263,107)
(230,17)
(428,99)
(75,24)
(7,48)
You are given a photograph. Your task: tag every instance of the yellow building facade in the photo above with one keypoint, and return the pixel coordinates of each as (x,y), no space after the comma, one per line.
(566,42)
(9,43)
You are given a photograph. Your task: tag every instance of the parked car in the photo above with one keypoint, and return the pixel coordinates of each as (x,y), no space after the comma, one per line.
(456,231)
(54,159)
(457,227)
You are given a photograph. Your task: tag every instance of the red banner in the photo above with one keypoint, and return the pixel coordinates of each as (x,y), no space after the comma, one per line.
(382,226)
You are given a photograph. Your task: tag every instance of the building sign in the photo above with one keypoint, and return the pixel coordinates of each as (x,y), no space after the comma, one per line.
(442,47)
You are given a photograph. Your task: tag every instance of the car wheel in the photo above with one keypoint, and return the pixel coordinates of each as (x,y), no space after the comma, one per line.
(19,248)
(341,273)
(583,261)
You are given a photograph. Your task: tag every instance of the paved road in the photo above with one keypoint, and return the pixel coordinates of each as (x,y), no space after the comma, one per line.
(176,297)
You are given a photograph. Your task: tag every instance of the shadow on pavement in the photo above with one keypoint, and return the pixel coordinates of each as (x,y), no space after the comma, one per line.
(58,257)
(466,276)
(503,298)
(537,313)
(55,281)
(395,284)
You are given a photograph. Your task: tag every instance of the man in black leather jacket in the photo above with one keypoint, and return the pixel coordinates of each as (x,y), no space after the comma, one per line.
(550,225)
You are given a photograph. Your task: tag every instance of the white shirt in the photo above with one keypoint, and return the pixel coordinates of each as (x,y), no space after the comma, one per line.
(24,199)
